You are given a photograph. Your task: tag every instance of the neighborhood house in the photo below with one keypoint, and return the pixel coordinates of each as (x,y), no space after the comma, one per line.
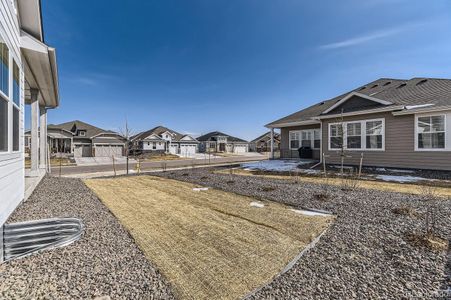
(79,139)
(263,143)
(164,140)
(220,142)
(391,122)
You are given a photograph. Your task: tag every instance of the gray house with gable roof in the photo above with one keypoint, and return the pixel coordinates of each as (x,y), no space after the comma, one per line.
(392,122)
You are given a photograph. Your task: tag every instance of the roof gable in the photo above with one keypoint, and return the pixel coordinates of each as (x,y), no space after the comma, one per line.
(355,102)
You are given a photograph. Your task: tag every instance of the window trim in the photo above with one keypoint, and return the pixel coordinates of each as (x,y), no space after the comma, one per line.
(362,135)
(445,148)
(312,137)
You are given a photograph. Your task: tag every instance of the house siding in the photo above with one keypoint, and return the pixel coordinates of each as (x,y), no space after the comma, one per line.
(399,146)
(12,177)
(285,151)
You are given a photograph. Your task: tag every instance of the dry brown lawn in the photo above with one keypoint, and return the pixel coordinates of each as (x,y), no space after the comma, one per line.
(209,244)
(407,188)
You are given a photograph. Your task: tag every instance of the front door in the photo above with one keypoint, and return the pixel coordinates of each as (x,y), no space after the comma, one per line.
(222,147)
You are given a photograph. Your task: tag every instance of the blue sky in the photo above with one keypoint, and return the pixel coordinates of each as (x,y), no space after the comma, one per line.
(233,65)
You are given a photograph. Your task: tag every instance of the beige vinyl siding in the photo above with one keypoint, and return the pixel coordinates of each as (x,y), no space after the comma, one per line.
(399,146)
(285,151)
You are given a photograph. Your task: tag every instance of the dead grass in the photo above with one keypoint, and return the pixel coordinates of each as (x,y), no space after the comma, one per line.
(210,244)
(416,189)
(429,241)
(405,211)
(268,188)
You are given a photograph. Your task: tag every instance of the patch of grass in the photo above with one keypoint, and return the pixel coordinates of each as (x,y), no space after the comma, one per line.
(405,211)
(428,241)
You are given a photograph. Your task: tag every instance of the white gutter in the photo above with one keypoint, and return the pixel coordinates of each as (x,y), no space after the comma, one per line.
(422,110)
(291,124)
(363,112)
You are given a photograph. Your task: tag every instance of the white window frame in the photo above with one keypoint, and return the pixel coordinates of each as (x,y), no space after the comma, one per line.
(446,133)
(299,134)
(329,135)
(362,135)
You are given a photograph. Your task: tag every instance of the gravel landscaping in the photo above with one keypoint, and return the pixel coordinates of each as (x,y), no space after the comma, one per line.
(105,262)
(365,254)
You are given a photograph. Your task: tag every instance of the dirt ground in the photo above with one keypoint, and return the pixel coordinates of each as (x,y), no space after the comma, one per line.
(408,188)
(209,244)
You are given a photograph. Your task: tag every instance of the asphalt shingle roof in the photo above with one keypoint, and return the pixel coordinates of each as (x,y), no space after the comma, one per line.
(158,131)
(72,126)
(415,91)
(211,137)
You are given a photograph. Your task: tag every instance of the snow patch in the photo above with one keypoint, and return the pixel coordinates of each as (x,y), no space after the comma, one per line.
(311,171)
(275,165)
(309,212)
(401,179)
(257,204)
(200,189)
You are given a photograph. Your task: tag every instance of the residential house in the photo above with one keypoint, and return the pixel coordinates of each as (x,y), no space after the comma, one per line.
(28,76)
(263,143)
(164,140)
(80,139)
(390,122)
(220,142)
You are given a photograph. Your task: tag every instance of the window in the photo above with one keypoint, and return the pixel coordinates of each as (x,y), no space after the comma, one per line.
(3,125)
(16,84)
(336,136)
(294,140)
(82,133)
(358,135)
(306,138)
(15,129)
(316,139)
(354,135)
(431,132)
(374,132)
(4,67)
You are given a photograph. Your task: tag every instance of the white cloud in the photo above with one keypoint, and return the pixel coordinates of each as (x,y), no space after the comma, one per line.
(376,35)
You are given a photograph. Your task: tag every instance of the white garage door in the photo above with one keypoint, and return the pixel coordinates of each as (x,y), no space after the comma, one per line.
(82,151)
(240,149)
(187,150)
(108,150)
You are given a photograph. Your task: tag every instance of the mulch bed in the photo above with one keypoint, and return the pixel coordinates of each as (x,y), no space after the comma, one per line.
(104,262)
(366,254)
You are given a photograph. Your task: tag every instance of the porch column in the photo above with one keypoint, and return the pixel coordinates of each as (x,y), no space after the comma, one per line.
(42,137)
(34,149)
(272,143)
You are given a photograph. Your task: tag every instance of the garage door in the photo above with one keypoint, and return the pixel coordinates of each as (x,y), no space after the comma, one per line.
(240,149)
(187,149)
(82,151)
(108,150)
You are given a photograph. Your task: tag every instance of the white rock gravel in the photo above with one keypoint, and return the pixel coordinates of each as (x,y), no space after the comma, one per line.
(105,262)
(363,255)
